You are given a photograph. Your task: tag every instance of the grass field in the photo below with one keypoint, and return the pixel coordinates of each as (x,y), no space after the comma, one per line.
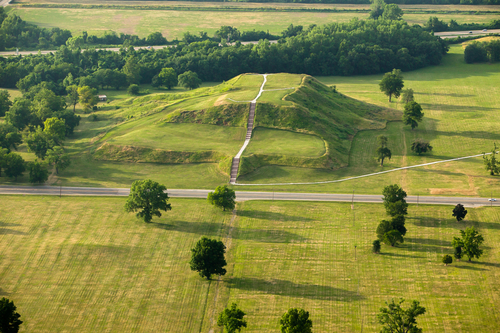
(83,264)
(173,24)
(271,141)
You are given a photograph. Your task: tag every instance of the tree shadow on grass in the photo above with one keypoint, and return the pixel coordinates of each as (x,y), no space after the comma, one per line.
(427,241)
(288,288)
(212,229)
(399,255)
(482,263)
(257,214)
(471,268)
(266,172)
(3,292)
(6,231)
(471,134)
(443,94)
(424,221)
(456,108)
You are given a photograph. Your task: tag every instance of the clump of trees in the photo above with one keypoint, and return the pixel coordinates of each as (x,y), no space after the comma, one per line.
(392,232)
(412,114)
(147,198)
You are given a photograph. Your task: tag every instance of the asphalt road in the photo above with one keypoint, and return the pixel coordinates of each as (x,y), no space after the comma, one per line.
(244,195)
(454,34)
(4,3)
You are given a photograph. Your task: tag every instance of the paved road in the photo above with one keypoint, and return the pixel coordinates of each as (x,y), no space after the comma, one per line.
(243,195)
(454,34)
(4,3)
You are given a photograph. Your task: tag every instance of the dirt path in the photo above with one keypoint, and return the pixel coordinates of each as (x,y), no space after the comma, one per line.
(227,242)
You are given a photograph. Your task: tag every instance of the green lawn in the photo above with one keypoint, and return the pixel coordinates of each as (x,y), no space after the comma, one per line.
(182,137)
(173,24)
(83,264)
(272,141)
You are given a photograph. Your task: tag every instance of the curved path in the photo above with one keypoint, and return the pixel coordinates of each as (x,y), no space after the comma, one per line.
(243,195)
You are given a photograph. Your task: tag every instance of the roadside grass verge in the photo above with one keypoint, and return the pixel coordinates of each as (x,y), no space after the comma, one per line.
(83,264)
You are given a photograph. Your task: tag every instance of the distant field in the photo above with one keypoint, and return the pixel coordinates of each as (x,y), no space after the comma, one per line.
(83,264)
(173,24)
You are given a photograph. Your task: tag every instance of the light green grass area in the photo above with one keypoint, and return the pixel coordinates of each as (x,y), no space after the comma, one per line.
(278,86)
(182,137)
(173,24)
(245,88)
(271,141)
(460,102)
(83,264)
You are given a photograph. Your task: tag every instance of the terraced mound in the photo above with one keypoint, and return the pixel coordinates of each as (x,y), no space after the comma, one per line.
(298,122)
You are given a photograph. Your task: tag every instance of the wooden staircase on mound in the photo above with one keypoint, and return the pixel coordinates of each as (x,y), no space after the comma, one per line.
(236,160)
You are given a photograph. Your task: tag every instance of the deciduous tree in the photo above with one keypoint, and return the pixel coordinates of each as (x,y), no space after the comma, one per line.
(72,98)
(392,83)
(394,319)
(168,78)
(394,200)
(5,102)
(9,318)
(412,114)
(38,172)
(58,158)
(393,237)
(223,197)
(447,259)
(232,319)
(88,98)
(147,198)
(459,212)
(469,243)
(376,246)
(296,321)
(14,165)
(207,257)
(407,96)
(189,80)
(382,150)
(491,163)
(55,129)
(10,138)
(420,146)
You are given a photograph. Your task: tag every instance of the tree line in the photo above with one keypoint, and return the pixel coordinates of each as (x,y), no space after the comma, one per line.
(482,52)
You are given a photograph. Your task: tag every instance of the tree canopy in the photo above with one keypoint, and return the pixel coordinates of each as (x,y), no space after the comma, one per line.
(296,321)
(420,146)
(395,200)
(9,318)
(207,257)
(469,243)
(223,197)
(412,114)
(392,83)
(147,198)
(459,212)
(382,150)
(189,80)
(491,162)
(232,319)
(395,319)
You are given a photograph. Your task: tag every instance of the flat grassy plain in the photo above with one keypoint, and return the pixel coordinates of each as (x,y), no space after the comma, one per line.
(83,264)
(460,102)
(173,24)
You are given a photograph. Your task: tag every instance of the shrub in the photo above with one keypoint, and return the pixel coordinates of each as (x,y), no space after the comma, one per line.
(447,259)
(376,246)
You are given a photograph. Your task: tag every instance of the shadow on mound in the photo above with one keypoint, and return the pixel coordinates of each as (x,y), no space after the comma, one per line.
(288,288)
(264,215)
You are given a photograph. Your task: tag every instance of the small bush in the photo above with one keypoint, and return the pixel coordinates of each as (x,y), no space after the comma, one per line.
(94,117)
(447,259)
(458,253)
(133,89)
(376,246)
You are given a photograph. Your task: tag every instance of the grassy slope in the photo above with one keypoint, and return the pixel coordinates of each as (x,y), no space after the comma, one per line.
(173,24)
(83,264)
(460,103)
